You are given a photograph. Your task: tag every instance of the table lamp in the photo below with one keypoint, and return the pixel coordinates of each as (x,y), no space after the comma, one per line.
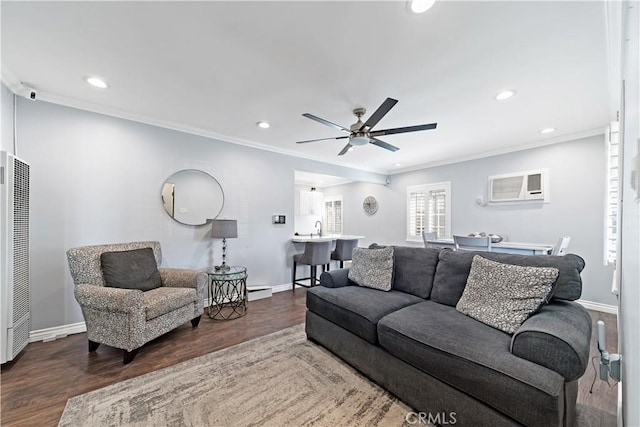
(224,229)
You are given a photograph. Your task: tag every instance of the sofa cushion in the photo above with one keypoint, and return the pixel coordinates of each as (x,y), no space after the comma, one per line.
(356,308)
(372,268)
(473,358)
(134,269)
(453,270)
(413,270)
(163,300)
(503,295)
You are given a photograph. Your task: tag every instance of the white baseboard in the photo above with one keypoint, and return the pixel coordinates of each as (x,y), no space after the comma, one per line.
(596,306)
(258,292)
(281,288)
(51,334)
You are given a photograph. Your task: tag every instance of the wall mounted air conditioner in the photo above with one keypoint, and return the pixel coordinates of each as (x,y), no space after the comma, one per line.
(520,186)
(14,256)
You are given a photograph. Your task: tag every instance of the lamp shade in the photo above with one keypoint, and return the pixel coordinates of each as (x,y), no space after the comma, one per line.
(224,228)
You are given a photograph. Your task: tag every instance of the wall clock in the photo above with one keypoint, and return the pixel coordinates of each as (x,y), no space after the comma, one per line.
(370,205)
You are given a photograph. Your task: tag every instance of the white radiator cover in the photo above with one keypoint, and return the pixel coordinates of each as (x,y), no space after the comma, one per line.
(14,256)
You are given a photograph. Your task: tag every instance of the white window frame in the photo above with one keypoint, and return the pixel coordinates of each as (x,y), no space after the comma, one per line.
(612,195)
(333,199)
(426,188)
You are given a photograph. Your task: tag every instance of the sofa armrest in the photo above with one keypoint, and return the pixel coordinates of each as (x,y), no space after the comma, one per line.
(557,337)
(336,278)
(108,299)
(184,278)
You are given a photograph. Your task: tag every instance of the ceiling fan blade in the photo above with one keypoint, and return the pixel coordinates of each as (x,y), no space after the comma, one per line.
(383,144)
(403,129)
(325,122)
(321,139)
(344,150)
(379,113)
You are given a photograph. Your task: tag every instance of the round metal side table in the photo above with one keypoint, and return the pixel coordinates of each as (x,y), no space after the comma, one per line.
(227,293)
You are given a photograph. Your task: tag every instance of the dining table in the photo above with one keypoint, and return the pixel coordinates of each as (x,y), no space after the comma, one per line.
(520,248)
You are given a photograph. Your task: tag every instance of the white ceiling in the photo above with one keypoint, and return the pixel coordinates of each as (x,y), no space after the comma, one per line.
(318,180)
(216,68)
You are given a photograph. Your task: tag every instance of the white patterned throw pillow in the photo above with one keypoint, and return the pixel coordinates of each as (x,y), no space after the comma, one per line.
(503,295)
(372,268)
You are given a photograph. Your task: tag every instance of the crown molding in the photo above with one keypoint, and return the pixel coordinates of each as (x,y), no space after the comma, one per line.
(16,87)
(506,150)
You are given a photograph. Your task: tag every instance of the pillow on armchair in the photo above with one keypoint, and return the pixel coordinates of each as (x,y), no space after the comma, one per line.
(134,269)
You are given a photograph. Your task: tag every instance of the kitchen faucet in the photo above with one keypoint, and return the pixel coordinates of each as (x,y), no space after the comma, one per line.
(318,228)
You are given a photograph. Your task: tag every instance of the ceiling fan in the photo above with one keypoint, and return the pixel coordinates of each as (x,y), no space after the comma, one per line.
(362,133)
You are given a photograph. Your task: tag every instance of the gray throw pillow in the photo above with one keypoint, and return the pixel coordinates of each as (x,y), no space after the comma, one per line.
(372,268)
(135,269)
(503,296)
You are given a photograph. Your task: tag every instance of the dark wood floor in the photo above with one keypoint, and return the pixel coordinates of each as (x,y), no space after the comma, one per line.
(604,396)
(36,386)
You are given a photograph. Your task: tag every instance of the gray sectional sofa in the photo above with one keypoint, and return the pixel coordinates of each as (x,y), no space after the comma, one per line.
(413,342)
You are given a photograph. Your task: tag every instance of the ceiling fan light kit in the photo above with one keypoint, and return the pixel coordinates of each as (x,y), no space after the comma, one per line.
(363,133)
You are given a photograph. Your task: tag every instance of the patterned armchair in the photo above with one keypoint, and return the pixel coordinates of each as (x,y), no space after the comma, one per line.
(129,318)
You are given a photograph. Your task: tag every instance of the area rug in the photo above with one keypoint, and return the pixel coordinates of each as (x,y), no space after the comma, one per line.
(276,380)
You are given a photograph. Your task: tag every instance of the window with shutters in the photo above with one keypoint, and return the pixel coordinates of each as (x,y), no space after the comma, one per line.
(333,215)
(429,209)
(612,196)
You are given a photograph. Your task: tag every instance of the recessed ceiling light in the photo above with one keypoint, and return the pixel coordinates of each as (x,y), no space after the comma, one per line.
(263,125)
(397,165)
(547,130)
(420,6)
(505,94)
(97,82)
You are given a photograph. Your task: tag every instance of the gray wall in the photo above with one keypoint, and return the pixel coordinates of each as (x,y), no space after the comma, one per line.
(576,208)
(97,179)
(6,136)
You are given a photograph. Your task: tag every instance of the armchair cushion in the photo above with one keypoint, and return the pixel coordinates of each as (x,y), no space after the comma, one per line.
(134,269)
(163,300)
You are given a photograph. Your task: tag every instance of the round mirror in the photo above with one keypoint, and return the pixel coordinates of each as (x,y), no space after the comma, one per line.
(192,197)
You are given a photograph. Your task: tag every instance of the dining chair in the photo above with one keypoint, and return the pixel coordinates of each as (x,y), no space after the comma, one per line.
(429,235)
(561,246)
(467,243)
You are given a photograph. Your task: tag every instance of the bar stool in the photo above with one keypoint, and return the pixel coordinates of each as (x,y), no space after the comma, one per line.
(315,254)
(344,250)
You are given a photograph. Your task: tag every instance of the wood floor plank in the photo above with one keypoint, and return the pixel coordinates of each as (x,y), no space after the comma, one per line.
(604,396)
(35,387)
